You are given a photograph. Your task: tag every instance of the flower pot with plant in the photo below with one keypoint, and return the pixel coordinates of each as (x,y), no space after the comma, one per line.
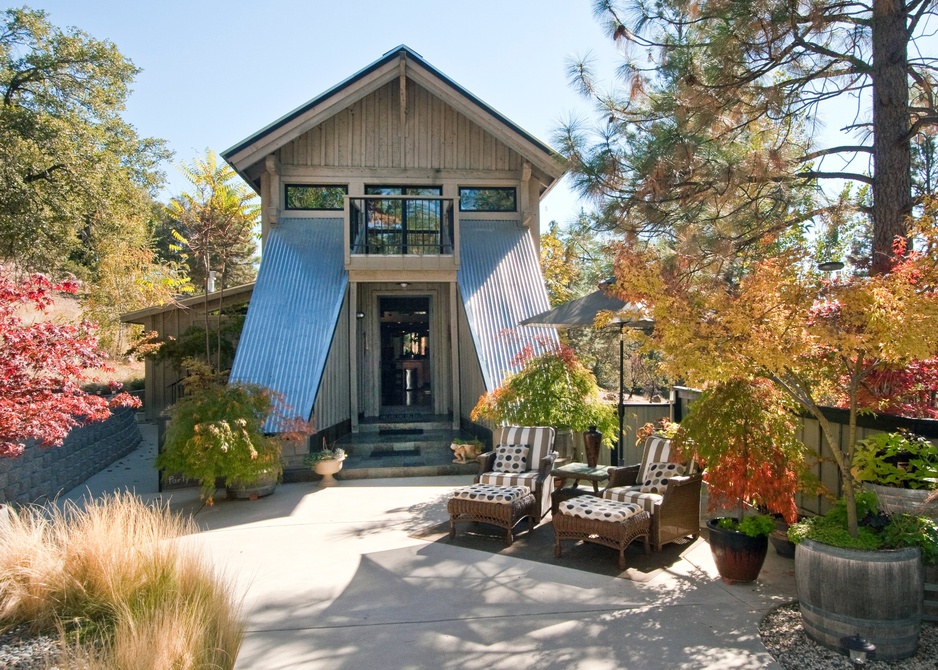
(326,463)
(743,435)
(839,575)
(216,432)
(552,389)
(901,469)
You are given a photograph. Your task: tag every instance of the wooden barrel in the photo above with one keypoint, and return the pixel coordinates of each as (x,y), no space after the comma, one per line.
(876,594)
(930,604)
(893,500)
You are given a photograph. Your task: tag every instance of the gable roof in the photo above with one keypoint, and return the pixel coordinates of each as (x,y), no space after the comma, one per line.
(264,142)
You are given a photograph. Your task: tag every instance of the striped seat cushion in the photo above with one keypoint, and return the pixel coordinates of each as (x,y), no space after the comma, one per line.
(505,479)
(504,495)
(591,507)
(635,495)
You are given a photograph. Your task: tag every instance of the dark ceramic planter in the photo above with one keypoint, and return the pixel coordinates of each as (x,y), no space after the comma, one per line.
(738,556)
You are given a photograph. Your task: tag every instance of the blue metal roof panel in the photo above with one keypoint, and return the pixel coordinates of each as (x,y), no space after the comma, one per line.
(293,312)
(501,285)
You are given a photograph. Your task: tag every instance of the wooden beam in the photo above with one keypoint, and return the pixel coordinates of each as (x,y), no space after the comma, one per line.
(454,353)
(353,352)
(402,81)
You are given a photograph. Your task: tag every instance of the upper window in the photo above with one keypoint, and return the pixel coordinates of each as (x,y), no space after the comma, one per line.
(404,190)
(487,200)
(315,197)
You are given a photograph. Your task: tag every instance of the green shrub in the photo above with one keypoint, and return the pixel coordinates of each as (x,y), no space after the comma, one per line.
(217,432)
(897,459)
(552,389)
(875,531)
(753,526)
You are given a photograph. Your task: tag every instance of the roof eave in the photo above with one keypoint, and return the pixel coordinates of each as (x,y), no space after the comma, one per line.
(250,151)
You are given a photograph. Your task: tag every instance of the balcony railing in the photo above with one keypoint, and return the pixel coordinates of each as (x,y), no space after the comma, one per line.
(401,225)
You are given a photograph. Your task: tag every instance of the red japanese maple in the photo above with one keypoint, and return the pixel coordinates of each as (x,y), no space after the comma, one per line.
(42,368)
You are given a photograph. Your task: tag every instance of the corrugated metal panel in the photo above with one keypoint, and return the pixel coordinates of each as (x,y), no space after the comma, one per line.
(500,282)
(294,309)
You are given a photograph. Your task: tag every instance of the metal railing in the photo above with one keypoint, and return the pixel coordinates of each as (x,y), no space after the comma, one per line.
(395,224)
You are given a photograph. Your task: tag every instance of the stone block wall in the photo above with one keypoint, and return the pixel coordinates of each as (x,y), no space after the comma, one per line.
(39,474)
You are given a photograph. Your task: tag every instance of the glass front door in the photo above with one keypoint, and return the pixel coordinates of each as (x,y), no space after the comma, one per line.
(405,352)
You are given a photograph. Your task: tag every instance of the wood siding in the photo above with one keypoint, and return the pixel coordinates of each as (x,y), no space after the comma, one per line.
(369,134)
(332,401)
(472,385)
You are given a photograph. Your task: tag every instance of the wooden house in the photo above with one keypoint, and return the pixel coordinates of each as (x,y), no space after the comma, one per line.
(400,229)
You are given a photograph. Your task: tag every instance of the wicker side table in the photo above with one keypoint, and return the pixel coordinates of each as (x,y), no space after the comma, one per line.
(501,514)
(617,534)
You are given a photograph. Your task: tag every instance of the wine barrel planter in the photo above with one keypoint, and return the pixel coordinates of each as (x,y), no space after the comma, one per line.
(738,556)
(894,500)
(263,485)
(875,594)
(930,604)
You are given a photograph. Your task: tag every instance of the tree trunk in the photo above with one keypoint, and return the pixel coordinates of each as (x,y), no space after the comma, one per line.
(892,158)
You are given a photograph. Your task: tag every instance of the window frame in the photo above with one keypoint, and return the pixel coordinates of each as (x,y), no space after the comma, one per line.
(512,189)
(286,197)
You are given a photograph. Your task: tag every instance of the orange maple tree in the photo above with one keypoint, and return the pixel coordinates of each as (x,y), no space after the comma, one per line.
(781,319)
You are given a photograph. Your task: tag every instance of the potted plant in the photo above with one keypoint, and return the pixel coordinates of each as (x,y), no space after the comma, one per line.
(743,435)
(841,575)
(216,432)
(326,463)
(552,389)
(465,451)
(900,468)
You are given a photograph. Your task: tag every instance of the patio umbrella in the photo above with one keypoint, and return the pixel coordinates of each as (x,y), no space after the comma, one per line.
(583,312)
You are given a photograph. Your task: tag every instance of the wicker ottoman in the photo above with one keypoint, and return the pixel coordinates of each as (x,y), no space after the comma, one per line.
(502,506)
(607,522)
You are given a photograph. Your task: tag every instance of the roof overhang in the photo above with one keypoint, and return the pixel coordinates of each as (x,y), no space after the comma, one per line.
(547,164)
(237,295)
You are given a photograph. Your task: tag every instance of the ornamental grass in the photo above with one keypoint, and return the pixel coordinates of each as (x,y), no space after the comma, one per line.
(108,578)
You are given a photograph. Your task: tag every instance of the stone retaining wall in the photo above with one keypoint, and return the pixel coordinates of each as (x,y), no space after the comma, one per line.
(39,474)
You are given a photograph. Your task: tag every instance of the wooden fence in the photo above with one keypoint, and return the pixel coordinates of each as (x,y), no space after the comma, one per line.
(810,434)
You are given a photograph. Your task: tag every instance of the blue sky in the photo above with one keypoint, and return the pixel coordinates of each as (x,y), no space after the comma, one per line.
(215,72)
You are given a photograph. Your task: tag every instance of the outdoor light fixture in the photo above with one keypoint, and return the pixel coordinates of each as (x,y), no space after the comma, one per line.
(830,266)
(403,284)
(359,315)
(858,648)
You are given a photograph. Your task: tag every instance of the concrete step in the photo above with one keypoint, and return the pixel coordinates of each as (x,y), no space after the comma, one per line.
(372,455)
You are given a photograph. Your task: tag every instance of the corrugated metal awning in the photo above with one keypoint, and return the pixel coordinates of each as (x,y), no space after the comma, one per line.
(501,286)
(294,310)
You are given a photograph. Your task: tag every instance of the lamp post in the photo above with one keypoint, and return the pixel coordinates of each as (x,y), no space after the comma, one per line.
(619,452)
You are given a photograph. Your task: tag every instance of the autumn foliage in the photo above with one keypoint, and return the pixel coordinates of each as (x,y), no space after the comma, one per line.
(817,338)
(42,368)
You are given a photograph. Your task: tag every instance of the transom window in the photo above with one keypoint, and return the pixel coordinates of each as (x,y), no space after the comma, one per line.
(473,199)
(303,196)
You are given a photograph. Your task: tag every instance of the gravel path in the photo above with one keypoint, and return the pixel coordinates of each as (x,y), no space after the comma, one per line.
(22,650)
(784,637)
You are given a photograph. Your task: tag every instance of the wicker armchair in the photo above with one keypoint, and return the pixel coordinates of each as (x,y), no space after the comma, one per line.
(675,513)
(540,440)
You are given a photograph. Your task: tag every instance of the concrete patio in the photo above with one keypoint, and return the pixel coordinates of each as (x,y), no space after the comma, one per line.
(348,577)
